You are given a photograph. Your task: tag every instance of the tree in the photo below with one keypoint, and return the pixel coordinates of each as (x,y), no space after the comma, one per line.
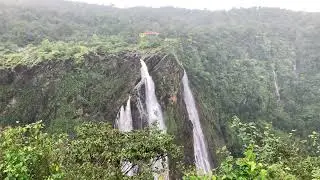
(267,155)
(96,151)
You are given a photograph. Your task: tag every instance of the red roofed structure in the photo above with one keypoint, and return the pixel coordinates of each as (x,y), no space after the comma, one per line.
(150,33)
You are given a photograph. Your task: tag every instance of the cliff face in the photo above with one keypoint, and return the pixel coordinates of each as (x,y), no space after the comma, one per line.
(64,93)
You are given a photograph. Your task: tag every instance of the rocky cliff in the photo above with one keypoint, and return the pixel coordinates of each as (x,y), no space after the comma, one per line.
(64,93)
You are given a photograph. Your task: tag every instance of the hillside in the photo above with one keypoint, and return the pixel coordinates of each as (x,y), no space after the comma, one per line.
(67,63)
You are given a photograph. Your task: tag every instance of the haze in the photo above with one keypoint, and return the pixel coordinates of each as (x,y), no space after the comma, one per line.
(297,5)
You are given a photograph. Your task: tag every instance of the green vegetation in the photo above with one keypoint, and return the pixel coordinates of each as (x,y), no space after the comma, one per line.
(67,63)
(95,151)
(62,51)
(268,155)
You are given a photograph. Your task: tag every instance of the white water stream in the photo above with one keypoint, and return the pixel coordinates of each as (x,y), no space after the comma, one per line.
(200,149)
(124,124)
(155,116)
(276,85)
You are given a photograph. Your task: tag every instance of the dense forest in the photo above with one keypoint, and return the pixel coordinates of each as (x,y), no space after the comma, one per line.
(254,74)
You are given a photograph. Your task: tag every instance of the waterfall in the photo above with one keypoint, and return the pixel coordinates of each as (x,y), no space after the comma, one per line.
(124,124)
(139,103)
(154,115)
(276,85)
(128,115)
(124,120)
(200,149)
(153,107)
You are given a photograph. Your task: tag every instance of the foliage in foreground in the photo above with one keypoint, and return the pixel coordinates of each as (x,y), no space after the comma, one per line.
(97,151)
(267,155)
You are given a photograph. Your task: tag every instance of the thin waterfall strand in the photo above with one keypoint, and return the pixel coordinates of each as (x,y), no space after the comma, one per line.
(276,85)
(200,150)
(124,123)
(142,112)
(124,120)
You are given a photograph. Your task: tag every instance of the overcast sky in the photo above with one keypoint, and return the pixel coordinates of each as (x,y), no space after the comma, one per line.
(298,5)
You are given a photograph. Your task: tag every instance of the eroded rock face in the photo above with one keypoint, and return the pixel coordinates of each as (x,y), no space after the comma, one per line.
(58,89)
(62,93)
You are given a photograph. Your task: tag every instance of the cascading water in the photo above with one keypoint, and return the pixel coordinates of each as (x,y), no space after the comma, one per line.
(124,120)
(276,85)
(154,114)
(139,103)
(124,123)
(128,115)
(120,118)
(200,149)
(153,107)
